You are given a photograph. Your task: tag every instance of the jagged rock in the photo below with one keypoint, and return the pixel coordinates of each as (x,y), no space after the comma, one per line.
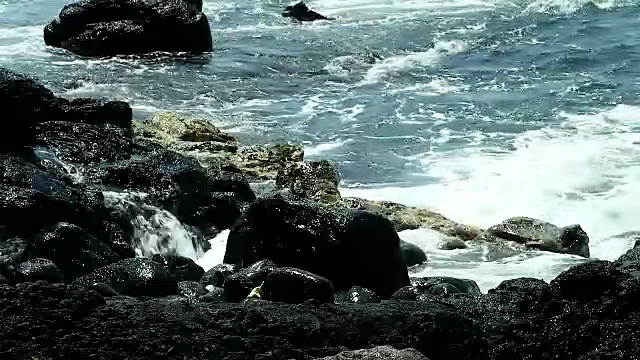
(412,253)
(217,274)
(134,277)
(540,235)
(347,247)
(38,269)
(99,28)
(378,353)
(315,180)
(407,218)
(295,286)
(73,250)
(184,269)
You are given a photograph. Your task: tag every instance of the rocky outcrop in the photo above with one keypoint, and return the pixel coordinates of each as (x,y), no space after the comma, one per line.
(540,235)
(347,247)
(213,148)
(98,28)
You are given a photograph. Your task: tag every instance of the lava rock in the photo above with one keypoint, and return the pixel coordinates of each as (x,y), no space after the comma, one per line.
(184,269)
(86,144)
(134,277)
(295,286)
(538,234)
(259,271)
(378,353)
(437,285)
(25,103)
(412,253)
(216,295)
(74,251)
(217,274)
(237,287)
(314,180)
(98,28)
(98,112)
(358,294)
(590,280)
(38,269)
(347,247)
(406,293)
(176,183)
(191,290)
(27,192)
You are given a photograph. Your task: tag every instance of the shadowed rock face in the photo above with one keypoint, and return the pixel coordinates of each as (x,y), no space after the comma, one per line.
(98,28)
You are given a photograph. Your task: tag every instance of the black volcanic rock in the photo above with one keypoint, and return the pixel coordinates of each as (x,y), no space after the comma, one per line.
(99,28)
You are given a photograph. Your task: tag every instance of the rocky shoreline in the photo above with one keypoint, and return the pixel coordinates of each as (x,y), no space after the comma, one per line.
(307,273)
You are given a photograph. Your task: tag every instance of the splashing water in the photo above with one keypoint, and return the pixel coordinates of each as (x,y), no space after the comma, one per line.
(156,231)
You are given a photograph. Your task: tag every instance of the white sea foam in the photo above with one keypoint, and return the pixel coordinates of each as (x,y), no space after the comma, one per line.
(585,171)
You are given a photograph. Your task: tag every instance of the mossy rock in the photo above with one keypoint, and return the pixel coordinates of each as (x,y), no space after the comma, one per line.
(408,218)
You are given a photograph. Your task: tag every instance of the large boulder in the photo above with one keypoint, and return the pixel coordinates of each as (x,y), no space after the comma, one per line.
(99,28)
(540,235)
(295,286)
(347,247)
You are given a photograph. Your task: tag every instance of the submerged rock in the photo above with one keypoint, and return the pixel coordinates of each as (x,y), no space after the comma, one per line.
(347,247)
(540,235)
(99,28)
(412,253)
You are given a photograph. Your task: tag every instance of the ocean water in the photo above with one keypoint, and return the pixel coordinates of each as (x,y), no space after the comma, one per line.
(478,109)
